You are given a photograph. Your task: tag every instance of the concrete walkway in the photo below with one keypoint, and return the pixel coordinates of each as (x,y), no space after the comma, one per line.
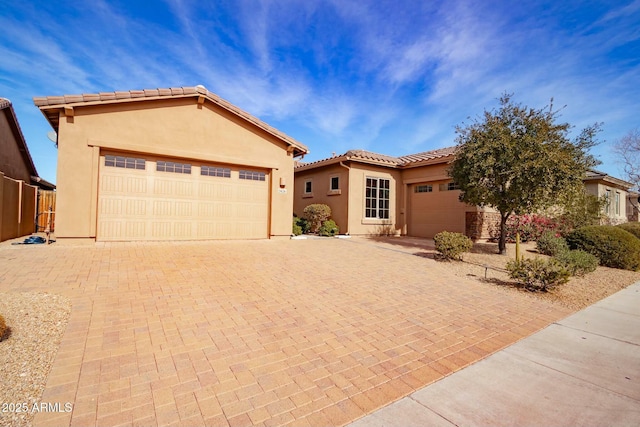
(583,370)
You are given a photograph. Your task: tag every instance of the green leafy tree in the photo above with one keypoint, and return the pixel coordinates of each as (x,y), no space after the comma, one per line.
(519,160)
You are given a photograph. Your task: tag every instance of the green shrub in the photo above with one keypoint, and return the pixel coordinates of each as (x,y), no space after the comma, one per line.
(3,327)
(536,274)
(316,214)
(549,244)
(613,246)
(452,245)
(578,262)
(303,224)
(296,229)
(328,228)
(631,227)
(300,226)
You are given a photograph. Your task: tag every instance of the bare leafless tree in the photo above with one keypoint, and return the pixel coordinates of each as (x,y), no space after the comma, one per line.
(628,149)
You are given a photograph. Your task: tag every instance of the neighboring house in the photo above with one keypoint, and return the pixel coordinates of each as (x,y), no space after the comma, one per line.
(633,206)
(372,193)
(375,194)
(614,190)
(19,180)
(168,164)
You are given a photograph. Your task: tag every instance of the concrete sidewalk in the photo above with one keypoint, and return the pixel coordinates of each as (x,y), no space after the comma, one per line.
(583,370)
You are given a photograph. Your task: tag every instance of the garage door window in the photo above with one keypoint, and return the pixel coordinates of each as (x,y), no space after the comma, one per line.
(124,162)
(253,175)
(215,171)
(173,167)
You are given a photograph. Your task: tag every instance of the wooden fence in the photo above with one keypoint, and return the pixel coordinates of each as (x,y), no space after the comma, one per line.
(46,210)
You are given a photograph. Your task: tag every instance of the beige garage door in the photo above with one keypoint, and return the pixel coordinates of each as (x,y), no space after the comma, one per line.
(164,199)
(434,207)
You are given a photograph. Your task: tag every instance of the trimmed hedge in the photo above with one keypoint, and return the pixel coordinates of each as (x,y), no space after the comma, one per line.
(328,228)
(578,262)
(613,246)
(452,245)
(316,214)
(549,244)
(631,227)
(536,274)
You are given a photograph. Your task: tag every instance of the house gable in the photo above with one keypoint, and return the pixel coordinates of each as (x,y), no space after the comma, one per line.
(208,138)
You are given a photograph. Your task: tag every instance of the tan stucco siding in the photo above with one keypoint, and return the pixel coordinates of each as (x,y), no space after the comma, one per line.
(358,223)
(172,128)
(321,192)
(12,163)
(435,211)
(616,212)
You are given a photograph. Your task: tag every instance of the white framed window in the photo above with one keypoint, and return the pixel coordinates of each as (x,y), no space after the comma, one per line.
(215,171)
(449,186)
(377,198)
(252,175)
(617,203)
(308,186)
(334,183)
(174,167)
(124,162)
(607,198)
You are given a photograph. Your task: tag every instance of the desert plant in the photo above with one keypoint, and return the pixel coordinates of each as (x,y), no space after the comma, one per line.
(578,262)
(613,246)
(3,327)
(296,230)
(536,274)
(303,224)
(452,245)
(328,228)
(316,214)
(631,227)
(549,244)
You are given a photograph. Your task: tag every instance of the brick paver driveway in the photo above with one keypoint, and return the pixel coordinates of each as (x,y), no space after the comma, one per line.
(315,332)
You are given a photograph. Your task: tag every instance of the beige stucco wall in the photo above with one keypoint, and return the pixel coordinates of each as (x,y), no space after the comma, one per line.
(358,224)
(17,208)
(430,213)
(12,163)
(599,189)
(177,128)
(320,185)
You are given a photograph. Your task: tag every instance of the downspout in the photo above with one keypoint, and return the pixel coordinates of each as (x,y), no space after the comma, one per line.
(348,193)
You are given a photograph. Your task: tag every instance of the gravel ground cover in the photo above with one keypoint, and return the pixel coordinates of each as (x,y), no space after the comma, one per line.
(578,293)
(37,322)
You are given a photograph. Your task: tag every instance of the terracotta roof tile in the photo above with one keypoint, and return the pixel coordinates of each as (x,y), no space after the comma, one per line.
(123,94)
(427,155)
(90,97)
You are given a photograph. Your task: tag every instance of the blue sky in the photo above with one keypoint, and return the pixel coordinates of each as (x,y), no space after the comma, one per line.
(394,77)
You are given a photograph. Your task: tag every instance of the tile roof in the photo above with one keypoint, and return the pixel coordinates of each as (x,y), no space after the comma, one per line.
(382,159)
(427,155)
(50,105)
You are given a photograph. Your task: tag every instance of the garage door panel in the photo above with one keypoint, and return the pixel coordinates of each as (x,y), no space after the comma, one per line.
(145,204)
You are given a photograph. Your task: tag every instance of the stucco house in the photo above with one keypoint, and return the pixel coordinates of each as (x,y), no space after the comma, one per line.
(374,194)
(614,190)
(633,206)
(168,164)
(19,180)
